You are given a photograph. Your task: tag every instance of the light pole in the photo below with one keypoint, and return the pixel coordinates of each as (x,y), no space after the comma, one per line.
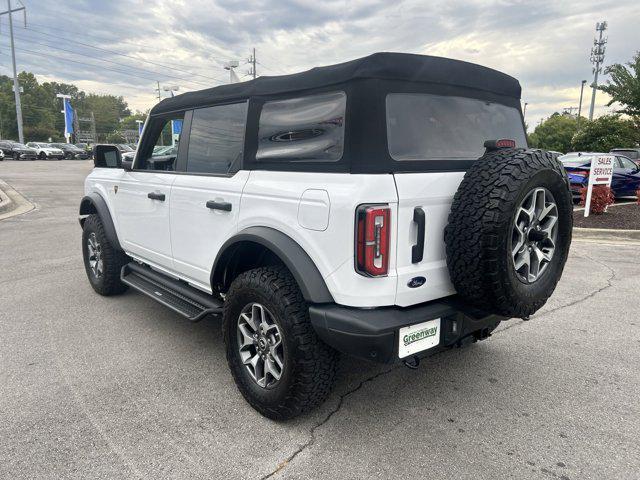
(580,105)
(524,111)
(597,58)
(233,78)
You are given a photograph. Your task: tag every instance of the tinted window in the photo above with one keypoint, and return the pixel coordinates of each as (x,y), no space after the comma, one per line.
(216,140)
(435,127)
(303,129)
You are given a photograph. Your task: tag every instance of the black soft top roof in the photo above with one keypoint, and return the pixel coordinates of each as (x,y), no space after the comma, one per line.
(384,66)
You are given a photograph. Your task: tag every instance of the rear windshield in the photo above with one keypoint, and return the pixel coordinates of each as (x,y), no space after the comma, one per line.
(436,127)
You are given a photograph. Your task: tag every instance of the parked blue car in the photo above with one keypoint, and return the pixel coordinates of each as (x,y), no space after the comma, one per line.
(626,173)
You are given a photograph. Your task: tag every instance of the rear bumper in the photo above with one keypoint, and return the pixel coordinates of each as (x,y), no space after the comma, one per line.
(372,334)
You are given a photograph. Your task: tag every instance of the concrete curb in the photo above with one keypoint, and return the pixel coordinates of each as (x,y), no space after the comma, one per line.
(16,204)
(6,204)
(606,235)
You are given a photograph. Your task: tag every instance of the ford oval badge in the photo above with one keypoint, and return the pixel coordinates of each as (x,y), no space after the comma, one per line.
(416,282)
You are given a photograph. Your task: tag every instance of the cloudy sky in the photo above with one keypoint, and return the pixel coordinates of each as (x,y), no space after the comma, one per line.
(123,46)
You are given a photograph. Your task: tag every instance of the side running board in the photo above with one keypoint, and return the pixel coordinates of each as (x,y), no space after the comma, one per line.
(175,294)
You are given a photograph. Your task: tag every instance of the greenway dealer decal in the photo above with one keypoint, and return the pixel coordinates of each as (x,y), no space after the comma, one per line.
(419,335)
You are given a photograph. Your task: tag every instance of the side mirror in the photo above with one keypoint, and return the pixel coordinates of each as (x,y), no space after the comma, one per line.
(127,165)
(107,156)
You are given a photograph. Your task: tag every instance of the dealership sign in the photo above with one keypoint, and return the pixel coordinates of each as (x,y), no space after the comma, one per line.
(600,174)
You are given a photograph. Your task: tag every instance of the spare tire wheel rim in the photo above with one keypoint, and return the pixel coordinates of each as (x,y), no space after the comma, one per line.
(534,235)
(260,345)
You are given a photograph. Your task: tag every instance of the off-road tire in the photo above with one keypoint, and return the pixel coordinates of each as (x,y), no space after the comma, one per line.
(310,364)
(478,234)
(113,259)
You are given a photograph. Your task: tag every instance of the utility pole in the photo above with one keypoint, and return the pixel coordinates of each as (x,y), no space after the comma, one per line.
(580,105)
(158,90)
(524,111)
(16,86)
(252,61)
(597,58)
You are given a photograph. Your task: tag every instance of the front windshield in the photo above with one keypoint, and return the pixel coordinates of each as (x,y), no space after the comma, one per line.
(19,145)
(126,148)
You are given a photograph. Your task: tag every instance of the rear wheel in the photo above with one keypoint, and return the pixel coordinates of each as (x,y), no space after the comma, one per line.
(279,364)
(42,156)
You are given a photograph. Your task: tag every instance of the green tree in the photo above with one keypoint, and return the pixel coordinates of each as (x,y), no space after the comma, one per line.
(606,132)
(108,110)
(624,86)
(555,133)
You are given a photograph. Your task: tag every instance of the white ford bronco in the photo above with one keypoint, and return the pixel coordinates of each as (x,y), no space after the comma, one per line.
(386,207)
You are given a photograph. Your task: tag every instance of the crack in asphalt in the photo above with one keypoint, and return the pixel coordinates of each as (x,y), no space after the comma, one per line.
(575,302)
(312,432)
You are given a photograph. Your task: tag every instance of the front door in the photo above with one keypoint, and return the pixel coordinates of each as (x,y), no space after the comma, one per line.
(205,200)
(143,195)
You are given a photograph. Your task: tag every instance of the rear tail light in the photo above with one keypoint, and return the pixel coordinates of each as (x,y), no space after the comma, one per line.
(372,240)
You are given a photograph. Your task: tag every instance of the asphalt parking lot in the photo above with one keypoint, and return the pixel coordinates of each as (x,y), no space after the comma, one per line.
(121,387)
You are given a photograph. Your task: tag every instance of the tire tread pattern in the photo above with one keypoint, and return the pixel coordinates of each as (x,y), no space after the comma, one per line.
(480,217)
(113,259)
(313,362)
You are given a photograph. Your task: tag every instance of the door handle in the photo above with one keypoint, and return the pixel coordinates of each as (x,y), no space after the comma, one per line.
(156,196)
(417,251)
(224,206)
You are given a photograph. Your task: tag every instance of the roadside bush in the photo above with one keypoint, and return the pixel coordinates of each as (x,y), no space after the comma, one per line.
(601,198)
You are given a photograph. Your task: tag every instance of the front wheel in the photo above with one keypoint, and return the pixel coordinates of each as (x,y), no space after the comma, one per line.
(278,362)
(102,261)
(42,156)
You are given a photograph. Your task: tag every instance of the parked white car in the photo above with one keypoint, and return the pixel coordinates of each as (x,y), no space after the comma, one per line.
(386,208)
(46,151)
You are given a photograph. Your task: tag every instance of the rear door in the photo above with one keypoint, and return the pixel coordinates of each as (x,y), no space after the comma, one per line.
(441,130)
(205,199)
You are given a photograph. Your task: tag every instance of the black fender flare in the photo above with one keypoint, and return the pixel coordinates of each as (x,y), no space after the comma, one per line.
(304,271)
(94,203)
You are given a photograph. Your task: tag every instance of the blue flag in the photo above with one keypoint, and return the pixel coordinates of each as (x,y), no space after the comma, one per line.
(68,117)
(177,127)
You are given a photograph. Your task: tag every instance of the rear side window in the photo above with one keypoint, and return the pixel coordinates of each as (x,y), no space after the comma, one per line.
(305,129)
(437,127)
(216,140)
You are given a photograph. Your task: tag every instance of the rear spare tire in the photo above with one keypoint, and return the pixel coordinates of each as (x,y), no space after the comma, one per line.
(509,231)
